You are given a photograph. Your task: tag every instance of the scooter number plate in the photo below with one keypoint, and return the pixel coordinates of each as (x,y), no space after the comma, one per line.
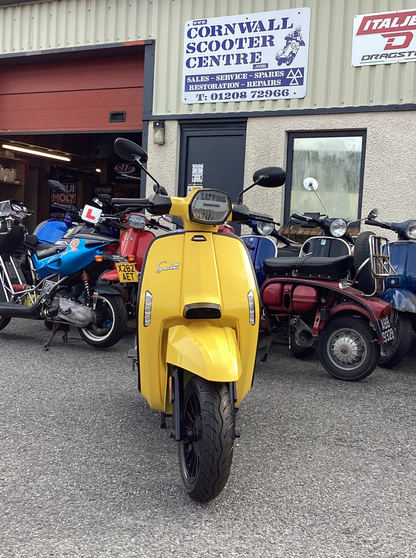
(127,272)
(387,331)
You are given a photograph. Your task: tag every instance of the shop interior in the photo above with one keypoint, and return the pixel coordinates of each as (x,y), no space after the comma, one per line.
(85,163)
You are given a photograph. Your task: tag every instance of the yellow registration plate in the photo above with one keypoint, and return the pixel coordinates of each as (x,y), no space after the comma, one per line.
(127,272)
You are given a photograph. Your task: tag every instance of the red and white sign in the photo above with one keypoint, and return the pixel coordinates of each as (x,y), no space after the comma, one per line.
(91,214)
(69,197)
(384,38)
(124,168)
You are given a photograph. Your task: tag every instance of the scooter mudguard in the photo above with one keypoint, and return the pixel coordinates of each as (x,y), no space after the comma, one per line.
(208,351)
(400,299)
(194,302)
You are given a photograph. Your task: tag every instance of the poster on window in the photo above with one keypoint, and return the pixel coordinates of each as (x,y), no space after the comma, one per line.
(246,57)
(384,38)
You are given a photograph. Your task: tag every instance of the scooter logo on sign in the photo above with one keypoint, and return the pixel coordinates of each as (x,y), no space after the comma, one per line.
(161,267)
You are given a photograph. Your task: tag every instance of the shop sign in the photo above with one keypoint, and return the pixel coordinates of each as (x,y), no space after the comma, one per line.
(124,168)
(384,38)
(70,197)
(261,56)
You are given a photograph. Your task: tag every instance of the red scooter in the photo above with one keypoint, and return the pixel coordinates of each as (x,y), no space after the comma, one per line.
(133,245)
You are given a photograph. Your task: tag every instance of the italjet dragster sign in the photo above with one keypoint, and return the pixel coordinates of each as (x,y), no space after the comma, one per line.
(384,38)
(246,57)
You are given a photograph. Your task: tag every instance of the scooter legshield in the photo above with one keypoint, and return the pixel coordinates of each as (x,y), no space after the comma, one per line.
(205,350)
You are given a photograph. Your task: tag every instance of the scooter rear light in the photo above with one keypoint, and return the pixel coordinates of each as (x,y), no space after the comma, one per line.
(111,248)
(386,310)
(148,299)
(131,259)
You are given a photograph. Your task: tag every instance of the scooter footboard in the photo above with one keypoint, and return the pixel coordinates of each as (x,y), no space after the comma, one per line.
(205,350)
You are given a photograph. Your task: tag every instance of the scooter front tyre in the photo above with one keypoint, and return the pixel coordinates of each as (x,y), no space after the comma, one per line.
(206,452)
(347,348)
(112,326)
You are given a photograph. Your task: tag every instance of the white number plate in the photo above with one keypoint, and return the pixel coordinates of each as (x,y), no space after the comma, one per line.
(387,331)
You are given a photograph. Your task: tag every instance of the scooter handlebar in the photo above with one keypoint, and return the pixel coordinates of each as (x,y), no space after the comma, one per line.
(131,202)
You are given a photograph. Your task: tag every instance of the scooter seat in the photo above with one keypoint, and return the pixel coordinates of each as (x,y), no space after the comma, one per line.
(46,250)
(309,267)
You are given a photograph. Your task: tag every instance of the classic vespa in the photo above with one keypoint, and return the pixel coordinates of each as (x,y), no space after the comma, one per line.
(197,326)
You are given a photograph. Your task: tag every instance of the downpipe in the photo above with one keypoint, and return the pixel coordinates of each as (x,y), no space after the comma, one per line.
(12,310)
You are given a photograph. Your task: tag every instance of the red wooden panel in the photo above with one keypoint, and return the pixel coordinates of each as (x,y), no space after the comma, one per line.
(72,96)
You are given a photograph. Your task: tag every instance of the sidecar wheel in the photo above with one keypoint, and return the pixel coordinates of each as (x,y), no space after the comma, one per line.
(400,345)
(110,325)
(347,348)
(206,452)
(298,351)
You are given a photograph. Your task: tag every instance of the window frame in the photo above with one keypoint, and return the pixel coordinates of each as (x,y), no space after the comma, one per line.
(291,136)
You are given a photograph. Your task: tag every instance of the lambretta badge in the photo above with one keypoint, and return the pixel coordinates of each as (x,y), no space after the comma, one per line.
(161,267)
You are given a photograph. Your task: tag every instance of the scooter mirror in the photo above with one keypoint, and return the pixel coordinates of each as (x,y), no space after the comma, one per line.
(56,186)
(270,177)
(129,151)
(373,213)
(310,184)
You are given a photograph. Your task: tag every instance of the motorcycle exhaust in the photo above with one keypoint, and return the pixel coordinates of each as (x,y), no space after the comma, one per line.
(11,310)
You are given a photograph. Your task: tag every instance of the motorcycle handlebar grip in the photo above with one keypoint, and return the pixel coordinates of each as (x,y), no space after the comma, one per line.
(131,202)
(301,217)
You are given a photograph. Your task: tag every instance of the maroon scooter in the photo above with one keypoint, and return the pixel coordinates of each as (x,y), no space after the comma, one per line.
(310,302)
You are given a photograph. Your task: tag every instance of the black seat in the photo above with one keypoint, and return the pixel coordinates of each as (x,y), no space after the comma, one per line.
(45,250)
(309,267)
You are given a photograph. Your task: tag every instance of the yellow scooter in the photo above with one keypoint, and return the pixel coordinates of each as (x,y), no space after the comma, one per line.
(197,324)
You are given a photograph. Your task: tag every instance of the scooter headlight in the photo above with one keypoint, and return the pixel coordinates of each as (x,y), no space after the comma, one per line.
(338,228)
(410,230)
(265,228)
(136,221)
(210,207)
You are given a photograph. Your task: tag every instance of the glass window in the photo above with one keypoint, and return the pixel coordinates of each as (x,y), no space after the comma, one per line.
(336,161)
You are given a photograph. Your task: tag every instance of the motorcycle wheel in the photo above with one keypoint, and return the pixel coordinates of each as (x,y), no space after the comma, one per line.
(401,344)
(347,349)
(4,322)
(298,351)
(112,314)
(365,278)
(206,452)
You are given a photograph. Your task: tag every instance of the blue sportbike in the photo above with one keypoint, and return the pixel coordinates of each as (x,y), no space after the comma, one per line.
(59,283)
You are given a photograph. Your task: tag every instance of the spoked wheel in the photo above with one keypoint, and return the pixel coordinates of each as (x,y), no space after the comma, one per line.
(347,348)
(393,353)
(109,325)
(206,452)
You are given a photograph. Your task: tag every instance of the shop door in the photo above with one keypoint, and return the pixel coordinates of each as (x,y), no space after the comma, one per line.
(212,156)
(92,94)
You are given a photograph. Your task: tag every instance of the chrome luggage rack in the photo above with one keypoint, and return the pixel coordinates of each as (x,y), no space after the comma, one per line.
(380,264)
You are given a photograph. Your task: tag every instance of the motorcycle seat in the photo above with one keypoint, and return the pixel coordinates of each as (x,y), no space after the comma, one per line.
(46,250)
(309,267)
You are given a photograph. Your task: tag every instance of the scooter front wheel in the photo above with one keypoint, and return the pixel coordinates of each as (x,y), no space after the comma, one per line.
(110,323)
(206,450)
(347,348)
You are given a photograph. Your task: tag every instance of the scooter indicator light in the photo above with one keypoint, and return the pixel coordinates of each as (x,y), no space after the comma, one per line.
(251,308)
(98,258)
(131,259)
(148,299)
